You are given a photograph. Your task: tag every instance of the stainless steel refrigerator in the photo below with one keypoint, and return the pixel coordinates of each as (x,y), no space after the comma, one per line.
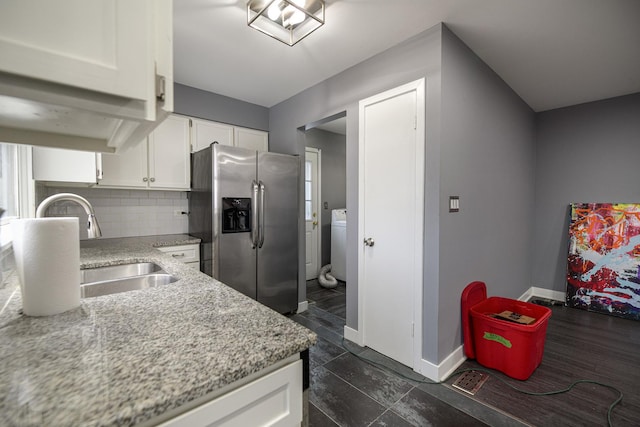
(244,206)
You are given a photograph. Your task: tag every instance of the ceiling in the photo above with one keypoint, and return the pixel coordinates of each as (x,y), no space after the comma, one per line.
(553,53)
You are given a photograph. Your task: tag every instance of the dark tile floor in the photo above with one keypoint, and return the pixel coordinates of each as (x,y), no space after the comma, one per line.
(347,391)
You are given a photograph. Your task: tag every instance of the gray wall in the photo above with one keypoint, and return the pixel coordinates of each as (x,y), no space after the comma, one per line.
(413,59)
(488,160)
(211,106)
(479,146)
(585,153)
(334,179)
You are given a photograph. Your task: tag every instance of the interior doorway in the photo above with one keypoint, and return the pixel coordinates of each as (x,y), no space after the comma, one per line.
(328,137)
(312,214)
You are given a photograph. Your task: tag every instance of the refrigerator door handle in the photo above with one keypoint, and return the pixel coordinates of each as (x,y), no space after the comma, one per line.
(261,216)
(255,214)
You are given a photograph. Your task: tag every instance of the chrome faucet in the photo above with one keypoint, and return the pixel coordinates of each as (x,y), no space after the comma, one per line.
(93,229)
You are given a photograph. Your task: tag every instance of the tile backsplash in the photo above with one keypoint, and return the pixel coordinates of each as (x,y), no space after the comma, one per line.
(124,213)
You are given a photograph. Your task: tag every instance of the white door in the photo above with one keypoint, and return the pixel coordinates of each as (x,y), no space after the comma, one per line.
(391,215)
(312,213)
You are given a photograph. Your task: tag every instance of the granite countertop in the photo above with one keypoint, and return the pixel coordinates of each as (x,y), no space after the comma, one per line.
(126,358)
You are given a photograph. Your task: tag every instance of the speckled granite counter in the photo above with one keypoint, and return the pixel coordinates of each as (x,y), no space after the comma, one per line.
(126,358)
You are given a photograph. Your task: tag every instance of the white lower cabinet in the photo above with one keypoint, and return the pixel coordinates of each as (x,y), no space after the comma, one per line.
(272,399)
(188,254)
(160,162)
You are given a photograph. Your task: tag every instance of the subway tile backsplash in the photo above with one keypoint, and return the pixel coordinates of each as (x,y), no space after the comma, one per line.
(125,213)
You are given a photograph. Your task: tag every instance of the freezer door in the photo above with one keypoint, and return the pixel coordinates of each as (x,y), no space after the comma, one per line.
(234,171)
(278,255)
(201,205)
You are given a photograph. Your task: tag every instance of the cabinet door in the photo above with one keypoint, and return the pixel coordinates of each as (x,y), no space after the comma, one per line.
(274,399)
(251,138)
(58,165)
(169,162)
(127,169)
(93,45)
(203,133)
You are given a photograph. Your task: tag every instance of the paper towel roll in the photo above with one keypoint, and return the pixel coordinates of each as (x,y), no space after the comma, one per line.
(47,252)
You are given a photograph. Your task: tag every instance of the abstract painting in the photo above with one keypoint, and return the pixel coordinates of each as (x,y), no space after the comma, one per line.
(603,273)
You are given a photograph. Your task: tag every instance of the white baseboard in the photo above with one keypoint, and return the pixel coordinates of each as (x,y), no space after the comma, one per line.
(303,306)
(445,368)
(542,293)
(353,336)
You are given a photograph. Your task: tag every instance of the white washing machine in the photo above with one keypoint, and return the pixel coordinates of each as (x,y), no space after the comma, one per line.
(339,244)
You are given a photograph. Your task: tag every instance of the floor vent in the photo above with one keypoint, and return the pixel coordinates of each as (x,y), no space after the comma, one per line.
(470,381)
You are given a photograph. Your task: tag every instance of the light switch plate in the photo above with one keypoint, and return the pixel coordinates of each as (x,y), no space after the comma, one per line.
(454,203)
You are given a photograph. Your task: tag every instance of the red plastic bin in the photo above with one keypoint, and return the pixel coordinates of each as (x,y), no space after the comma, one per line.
(509,347)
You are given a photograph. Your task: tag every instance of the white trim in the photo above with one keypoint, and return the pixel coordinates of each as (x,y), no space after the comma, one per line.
(26,184)
(542,293)
(303,306)
(419,87)
(318,203)
(445,368)
(353,336)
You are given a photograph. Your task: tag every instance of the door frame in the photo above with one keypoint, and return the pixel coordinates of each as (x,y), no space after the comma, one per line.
(318,185)
(418,249)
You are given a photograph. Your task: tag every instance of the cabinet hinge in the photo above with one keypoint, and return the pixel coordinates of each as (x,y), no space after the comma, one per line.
(160,87)
(415,122)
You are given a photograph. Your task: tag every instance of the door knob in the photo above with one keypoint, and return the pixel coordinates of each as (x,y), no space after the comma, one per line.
(369,242)
(315,223)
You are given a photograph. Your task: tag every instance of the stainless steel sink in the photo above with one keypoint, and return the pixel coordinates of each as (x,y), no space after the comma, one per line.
(106,287)
(122,278)
(118,271)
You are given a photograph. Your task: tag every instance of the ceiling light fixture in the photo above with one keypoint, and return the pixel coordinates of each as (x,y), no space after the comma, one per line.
(286,20)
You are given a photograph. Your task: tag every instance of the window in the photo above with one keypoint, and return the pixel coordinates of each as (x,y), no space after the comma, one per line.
(16,187)
(8,180)
(8,190)
(307,191)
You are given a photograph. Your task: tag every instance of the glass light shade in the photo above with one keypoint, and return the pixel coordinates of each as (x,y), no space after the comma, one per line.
(288,21)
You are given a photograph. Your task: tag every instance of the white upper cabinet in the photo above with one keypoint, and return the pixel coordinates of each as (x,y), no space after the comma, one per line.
(169,154)
(65,166)
(204,133)
(127,169)
(251,138)
(88,75)
(160,162)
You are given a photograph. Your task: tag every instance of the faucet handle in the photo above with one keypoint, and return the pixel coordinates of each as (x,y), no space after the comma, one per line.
(93,229)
